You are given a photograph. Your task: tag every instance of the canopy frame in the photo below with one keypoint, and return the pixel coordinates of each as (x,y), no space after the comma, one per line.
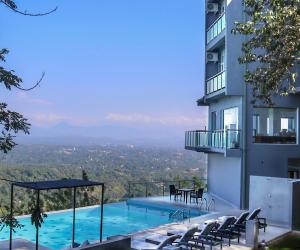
(56,185)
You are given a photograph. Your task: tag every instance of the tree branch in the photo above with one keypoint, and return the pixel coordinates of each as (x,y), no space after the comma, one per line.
(25,13)
(34,86)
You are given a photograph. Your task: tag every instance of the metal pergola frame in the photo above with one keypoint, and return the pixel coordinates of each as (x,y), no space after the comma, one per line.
(55,185)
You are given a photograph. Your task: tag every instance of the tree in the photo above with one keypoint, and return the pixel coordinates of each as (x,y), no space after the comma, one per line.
(11,121)
(273,27)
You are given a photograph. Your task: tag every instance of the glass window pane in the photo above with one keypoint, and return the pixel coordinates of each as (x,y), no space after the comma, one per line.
(231,118)
(275,125)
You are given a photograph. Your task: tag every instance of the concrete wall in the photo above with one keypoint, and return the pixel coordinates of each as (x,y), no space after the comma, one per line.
(277,197)
(234,70)
(119,244)
(269,159)
(273,196)
(296,206)
(224,177)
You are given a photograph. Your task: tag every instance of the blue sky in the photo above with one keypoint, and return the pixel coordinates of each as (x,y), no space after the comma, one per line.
(132,63)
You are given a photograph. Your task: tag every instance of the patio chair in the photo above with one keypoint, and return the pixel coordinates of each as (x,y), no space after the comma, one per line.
(175,192)
(239,225)
(186,237)
(197,195)
(224,230)
(168,241)
(205,237)
(262,222)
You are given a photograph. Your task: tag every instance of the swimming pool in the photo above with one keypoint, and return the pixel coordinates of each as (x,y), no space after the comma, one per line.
(119,218)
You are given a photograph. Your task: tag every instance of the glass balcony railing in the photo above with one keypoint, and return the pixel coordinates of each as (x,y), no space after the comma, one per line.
(216,28)
(221,139)
(215,83)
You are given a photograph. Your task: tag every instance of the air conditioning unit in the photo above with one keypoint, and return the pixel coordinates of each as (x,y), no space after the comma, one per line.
(212,7)
(212,57)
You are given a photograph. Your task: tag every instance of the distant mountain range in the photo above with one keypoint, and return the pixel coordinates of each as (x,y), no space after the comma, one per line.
(65,134)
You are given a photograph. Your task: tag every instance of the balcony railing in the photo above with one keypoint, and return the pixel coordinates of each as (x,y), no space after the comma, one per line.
(215,83)
(216,28)
(158,188)
(221,139)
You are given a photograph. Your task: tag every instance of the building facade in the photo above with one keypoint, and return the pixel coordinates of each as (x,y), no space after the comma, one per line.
(241,139)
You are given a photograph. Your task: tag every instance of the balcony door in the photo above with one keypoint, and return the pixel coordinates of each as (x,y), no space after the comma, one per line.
(230,126)
(213,124)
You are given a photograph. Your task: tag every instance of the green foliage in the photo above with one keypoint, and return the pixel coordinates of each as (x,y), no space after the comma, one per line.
(273,43)
(11,122)
(35,209)
(114,165)
(197,182)
(6,220)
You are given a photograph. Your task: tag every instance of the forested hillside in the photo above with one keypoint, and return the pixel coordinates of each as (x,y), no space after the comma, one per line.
(114,165)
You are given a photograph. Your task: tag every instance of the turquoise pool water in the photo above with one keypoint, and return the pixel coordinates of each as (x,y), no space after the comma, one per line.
(119,218)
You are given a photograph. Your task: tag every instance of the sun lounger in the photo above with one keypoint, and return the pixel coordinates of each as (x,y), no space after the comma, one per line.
(205,237)
(151,243)
(224,230)
(186,237)
(262,222)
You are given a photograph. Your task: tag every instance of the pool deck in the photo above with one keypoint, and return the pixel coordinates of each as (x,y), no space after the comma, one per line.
(20,244)
(219,209)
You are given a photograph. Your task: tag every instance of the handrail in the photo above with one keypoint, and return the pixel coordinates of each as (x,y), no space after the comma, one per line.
(212,201)
(222,138)
(217,130)
(216,82)
(146,185)
(179,214)
(214,76)
(216,28)
(210,26)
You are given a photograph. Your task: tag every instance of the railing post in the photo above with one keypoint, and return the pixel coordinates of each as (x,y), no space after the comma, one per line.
(226,139)
(146,189)
(129,191)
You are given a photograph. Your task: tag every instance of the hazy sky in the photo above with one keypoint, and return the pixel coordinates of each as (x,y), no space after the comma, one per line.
(134,63)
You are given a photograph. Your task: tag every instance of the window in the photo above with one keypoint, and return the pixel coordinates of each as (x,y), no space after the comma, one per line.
(222,59)
(294,168)
(231,132)
(230,117)
(255,124)
(275,125)
(213,121)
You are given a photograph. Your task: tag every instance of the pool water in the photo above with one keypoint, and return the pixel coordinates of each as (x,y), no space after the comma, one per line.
(119,218)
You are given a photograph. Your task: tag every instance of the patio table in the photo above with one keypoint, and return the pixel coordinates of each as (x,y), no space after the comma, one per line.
(186,192)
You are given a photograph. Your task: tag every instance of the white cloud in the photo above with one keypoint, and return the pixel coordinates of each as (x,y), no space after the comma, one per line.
(24,97)
(179,120)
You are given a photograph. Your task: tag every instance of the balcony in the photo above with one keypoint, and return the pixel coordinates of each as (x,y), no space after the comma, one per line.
(216,28)
(215,83)
(219,141)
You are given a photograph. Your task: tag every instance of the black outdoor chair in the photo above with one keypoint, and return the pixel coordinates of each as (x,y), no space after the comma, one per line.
(205,237)
(262,222)
(239,225)
(175,192)
(197,195)
(224,230)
